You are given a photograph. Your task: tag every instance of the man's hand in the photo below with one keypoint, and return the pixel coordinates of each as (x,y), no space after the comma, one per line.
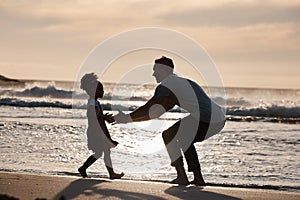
(109,118)
(122,118)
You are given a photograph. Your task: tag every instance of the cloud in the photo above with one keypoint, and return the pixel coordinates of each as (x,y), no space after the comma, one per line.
(234,15)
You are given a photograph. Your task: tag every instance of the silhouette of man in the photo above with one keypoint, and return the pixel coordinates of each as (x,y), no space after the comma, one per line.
(206,118)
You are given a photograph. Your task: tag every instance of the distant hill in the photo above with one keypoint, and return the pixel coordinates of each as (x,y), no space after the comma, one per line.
(5,79)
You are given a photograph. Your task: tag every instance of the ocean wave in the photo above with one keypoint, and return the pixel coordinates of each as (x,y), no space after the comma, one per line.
(36,91)
(57,104)
(52,92)
(270,111)
(268,114)
(20,103)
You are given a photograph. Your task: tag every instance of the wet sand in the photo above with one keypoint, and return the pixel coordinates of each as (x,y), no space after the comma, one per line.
(28,186)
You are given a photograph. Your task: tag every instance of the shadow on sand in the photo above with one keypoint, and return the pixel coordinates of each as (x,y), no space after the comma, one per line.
(183,192)
(90,188)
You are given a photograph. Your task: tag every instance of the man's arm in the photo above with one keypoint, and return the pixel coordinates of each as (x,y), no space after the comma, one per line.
(154,108)
(162,101)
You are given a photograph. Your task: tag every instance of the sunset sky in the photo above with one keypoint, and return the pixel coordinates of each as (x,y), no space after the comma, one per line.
(253,43)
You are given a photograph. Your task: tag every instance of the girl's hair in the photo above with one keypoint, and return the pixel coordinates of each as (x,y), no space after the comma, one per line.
(89,81)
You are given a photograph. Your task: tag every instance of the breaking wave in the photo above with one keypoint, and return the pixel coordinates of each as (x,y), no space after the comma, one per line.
(273,113)
(53,92)
(270,111)
(36,91)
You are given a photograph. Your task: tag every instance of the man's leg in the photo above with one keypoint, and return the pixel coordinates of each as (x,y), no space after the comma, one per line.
(194,165)
(172,145)
(175,153)
(192,157)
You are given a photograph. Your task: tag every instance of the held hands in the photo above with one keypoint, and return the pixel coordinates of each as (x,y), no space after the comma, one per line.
(122,117)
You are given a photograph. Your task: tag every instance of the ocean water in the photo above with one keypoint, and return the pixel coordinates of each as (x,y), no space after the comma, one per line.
(43,124)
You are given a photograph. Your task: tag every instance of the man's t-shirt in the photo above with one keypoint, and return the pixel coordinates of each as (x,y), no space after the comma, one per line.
(190,96)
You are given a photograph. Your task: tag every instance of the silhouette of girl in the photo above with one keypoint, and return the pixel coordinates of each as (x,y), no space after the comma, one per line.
(98,137)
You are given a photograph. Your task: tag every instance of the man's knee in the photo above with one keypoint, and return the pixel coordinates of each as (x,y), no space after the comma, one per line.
(170,133)
(164,134)
(167,135)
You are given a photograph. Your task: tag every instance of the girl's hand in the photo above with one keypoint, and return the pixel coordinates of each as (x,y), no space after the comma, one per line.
(115,142)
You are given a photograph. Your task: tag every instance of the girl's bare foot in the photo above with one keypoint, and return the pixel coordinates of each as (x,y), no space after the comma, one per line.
(82,172)
(116,176)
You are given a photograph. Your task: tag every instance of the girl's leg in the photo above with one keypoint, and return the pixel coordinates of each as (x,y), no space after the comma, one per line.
(107,159)
(108,164)
(87,163)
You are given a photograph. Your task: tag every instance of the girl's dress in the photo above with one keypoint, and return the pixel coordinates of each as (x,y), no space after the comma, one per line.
(96,139)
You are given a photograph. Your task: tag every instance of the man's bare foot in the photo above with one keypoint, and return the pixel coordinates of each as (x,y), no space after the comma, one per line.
(198,178)
(116,176)
(180,181)
(198,183)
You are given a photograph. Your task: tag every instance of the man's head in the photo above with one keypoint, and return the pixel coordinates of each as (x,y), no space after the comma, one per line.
(162,68)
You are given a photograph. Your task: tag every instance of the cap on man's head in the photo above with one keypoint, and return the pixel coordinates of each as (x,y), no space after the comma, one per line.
(165,61)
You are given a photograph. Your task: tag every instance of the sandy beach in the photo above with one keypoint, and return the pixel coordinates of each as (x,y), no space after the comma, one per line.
(28,186)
